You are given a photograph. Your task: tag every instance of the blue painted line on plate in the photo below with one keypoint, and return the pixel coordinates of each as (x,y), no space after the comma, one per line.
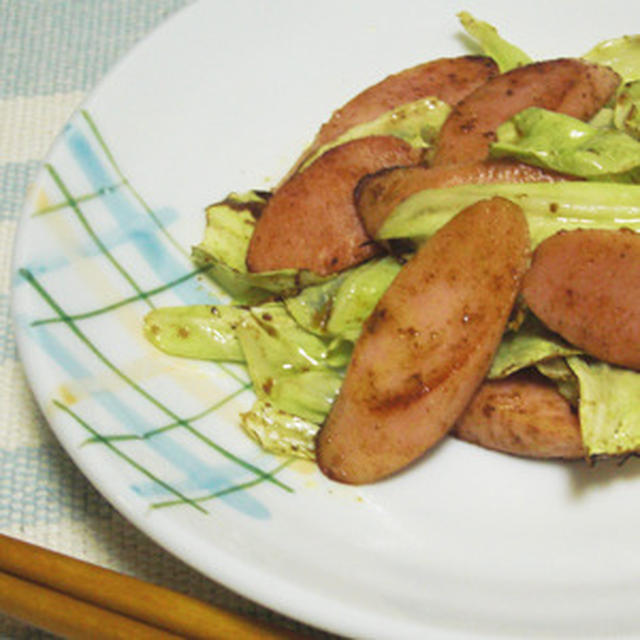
(209,480)
(47,339)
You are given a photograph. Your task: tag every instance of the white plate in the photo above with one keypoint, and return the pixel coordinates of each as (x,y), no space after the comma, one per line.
(466,543)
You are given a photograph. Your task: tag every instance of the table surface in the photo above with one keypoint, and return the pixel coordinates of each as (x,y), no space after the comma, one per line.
(52,53)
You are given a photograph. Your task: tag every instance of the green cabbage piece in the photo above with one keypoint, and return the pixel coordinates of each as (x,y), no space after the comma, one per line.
(532,343)
(202,332)
(358,295)
(603,119)
(417,123)
(558,370)
(338,308)
(294,370)
(506,55)
(565,144)
(621,54)
(280,432)
(549,207)
(626,113)
(311,308)
(609,410)
(223,250)
(229,227)
(291,368)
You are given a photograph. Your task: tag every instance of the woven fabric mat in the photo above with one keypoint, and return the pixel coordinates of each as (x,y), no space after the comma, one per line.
(52,52)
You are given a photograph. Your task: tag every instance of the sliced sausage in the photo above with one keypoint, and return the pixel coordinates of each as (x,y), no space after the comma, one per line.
(427,345)
(449,79)
(523,415)
(311,222)
(570,86)
(377,195)
(585,285)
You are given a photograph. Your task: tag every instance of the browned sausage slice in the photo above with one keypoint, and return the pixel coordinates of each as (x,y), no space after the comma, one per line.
(569,86)
(427,345)
(585,285)
(378,194)
(311,222)
(449,79)
(523,415)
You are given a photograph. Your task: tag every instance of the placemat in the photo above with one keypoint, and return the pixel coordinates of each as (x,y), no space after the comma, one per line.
(52,53)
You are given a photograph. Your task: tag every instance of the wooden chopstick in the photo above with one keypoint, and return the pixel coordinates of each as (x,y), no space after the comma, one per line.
(68,617)
(75,599)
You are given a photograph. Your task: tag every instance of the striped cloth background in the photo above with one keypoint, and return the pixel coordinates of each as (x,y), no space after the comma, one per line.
(52,52)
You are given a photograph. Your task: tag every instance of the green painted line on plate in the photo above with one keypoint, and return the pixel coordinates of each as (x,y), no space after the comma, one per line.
(92,234)
(169,427)
(79,199)
(33,281)
(123,437)
(182,499)
(198,416)
(223,492)
(111,158)
(125,301)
